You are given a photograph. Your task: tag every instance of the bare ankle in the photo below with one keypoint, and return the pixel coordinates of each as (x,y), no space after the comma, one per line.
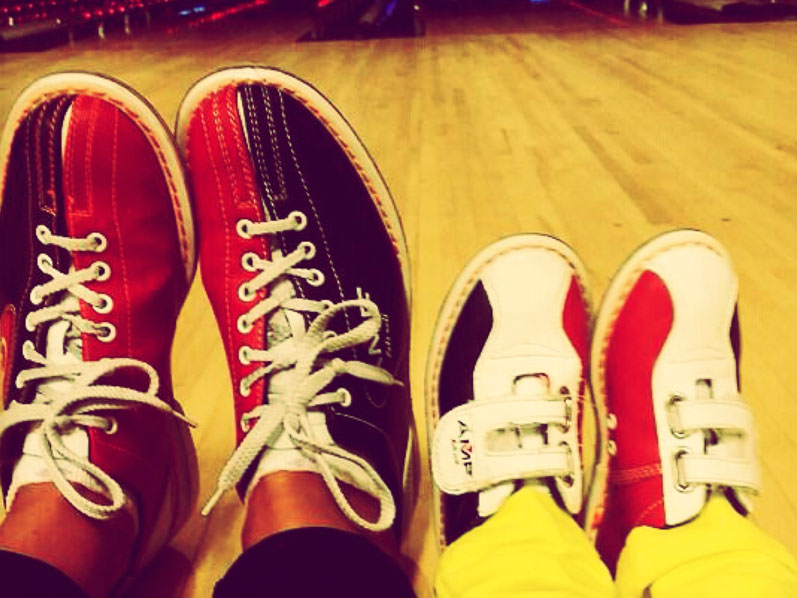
(289,500)
(42,524)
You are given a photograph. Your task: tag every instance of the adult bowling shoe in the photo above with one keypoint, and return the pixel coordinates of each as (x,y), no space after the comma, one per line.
(304,262)
(97,244)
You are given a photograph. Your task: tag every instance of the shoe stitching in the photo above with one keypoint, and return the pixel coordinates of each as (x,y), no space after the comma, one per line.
(6,344)
(223,146)
(297,286)
(227,307)
(150,135)
(625,477)
(69,172)
(346,148)
(387,336)
(264,171)
(306,190)
(239,144)
(252,194)
(125,279)
(249,181)
(89,182)
(223,97)
(45,126)
(223,149)
(257,144)
(31,216)
(283,190)
(53,139)
(641,517)
(37,142)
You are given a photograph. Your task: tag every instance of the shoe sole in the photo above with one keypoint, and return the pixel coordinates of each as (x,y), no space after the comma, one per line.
(332,119)
(449,313)
(611,305)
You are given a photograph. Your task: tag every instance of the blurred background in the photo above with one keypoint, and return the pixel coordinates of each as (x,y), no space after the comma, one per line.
(32,24)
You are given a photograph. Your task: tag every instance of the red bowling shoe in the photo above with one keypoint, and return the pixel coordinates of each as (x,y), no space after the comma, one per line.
(304,261)
(665,363)
(96,234)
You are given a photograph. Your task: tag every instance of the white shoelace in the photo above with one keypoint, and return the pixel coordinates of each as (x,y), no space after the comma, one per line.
(311,373)
(66,394)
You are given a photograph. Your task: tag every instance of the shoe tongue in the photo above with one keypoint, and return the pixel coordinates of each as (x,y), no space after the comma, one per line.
(64,341)
(64,345)
(524,387)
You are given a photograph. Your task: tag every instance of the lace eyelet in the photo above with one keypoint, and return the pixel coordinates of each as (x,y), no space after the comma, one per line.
(105,306)
(568,400)
(569,478)
(244,325)
(299,220)
(346,397)
(242,228)
(317,278)
(44,261)
(102,271)
(113,426)
(680,483)
(327,303)
(246,294)
(308,249)
(35,296)
(100,242)
(110,332)
(244,424)
(611,447)
(243,355)
(611,421)
(42,234)
(674,429)
(248,261)
(244,390)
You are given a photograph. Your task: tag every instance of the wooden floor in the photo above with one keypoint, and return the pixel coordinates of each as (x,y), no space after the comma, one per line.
(600,132)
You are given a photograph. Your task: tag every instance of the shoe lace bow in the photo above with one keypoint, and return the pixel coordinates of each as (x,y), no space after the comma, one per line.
(67,393)
(310,357)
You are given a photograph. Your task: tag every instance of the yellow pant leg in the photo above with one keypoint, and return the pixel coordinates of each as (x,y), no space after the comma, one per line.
(530,547)
(719,554)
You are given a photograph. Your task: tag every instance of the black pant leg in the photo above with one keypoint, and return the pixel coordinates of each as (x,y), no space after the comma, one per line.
(24,576)
(314,561)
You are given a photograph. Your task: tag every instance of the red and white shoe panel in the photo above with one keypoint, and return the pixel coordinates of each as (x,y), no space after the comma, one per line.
(665,361)
(506,381)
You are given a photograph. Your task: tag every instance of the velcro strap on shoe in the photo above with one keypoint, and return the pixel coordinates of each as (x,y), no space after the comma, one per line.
(713,415)
(465,460)
(705,469)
